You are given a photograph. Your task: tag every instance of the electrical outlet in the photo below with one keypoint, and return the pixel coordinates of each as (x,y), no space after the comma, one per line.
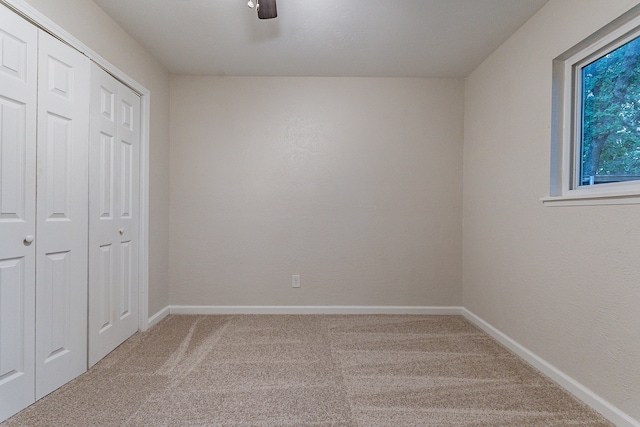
(295,281)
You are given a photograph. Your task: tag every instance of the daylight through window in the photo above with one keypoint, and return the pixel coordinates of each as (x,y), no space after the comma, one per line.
(610,117)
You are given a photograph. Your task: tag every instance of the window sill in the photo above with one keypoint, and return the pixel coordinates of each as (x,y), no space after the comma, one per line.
(592,200)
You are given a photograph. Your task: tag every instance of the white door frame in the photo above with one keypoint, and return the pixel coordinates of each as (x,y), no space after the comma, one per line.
(31,14)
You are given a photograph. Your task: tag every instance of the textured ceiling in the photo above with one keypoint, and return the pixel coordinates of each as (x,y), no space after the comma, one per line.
(373,38)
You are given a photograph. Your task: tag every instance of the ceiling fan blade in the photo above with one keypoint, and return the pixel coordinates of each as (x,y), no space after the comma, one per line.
(267,9)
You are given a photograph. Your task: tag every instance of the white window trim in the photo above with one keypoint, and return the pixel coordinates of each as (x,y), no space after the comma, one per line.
(565,122)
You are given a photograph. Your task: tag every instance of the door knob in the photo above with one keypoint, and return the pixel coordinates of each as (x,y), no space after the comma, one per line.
(28,239)
(121,231)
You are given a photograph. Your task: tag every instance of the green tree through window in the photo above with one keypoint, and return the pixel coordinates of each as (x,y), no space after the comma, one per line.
(610,143)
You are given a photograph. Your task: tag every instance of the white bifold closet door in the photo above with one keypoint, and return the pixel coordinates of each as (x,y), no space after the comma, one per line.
(62,217)
(44,99)
(114,158)
(69,213)
(18,94)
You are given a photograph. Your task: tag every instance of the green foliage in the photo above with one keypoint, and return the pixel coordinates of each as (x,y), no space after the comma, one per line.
(611,114)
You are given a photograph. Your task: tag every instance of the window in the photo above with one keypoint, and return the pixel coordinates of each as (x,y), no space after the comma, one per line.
(596,118)
(609,117)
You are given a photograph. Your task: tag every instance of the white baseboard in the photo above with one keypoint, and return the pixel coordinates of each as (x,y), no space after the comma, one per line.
(606,409)
(161,314)
(332,309)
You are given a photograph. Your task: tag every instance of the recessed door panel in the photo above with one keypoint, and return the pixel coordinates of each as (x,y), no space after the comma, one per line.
(107,104)
(126,166)
(126,280)
(58,152)
(18,95)
(127,115)
(60,78)
(54,288)
(13,159)
(103,287)
(62,218)
(12,318)
(106,176)
(16,53)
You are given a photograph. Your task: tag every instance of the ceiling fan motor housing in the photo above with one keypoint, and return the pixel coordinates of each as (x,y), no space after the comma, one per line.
(267,9)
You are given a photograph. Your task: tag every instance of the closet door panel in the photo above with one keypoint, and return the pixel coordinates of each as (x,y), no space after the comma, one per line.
(103,206)
(62,218)
(113,213)
(129,137)
(18,75)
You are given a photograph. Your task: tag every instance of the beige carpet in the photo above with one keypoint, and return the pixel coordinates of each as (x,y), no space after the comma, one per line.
(310,371)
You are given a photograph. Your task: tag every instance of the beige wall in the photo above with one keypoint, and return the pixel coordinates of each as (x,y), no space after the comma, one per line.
(89,24)
(355,184)
(563,282)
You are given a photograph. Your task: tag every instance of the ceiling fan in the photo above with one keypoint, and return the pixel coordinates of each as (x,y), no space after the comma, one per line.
(266,8)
